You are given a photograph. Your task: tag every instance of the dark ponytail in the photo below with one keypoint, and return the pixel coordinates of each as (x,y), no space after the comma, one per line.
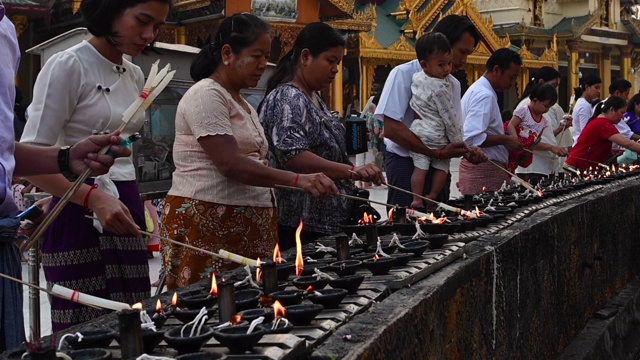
(239,31)
(613,102)
(315,37)
(545,73)
(589,80)
(544,92)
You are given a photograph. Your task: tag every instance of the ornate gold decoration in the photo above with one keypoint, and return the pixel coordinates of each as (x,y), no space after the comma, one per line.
(604,18)
(346,6)
(482,50)
(368,41)
(401,12)
(420,21)
(201,30)
(363,20)
(20,22)
(414,4)
(525,54)
(287,34)
(551,54)
(184,5)
(400,51)
(484,25)
(537,18)
(401,45)
(168,34)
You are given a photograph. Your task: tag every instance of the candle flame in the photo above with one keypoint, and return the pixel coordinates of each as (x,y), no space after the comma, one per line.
(366,219)
(376,257)
(277,257)
(174,300)
(158,306)
(137,306)
(236,319)
(390,216)
(214,285)
(279,310)
(484,189)
(310,289)
(258,271)
(299,261)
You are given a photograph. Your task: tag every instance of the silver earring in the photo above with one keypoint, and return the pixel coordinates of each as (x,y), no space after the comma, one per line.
(226,63)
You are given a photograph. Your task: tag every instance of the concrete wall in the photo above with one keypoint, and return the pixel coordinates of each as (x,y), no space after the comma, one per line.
(524,294)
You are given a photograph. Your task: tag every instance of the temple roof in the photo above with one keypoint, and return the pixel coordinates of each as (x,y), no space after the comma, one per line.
(399,22)
(522,29)
(569,25)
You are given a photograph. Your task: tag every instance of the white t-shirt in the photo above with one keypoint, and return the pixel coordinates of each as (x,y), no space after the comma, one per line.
(395,97)
(545,162)
(581,115)
(67,104)
(9,60)
(482,118)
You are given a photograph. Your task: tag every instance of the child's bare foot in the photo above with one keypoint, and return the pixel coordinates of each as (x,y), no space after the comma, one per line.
(417,204)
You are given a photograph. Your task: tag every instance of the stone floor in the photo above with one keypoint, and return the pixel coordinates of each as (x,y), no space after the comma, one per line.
(378,193)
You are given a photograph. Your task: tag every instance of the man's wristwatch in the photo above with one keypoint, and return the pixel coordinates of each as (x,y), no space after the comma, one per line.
(63,163)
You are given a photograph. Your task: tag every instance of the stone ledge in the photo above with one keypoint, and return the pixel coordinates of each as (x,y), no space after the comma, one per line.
(611,337)
(525,292)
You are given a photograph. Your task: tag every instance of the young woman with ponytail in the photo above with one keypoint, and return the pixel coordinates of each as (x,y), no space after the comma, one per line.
(585,95)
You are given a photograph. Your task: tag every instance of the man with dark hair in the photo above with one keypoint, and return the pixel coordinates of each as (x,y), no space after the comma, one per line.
(397,115)
(483,123)
(621,88)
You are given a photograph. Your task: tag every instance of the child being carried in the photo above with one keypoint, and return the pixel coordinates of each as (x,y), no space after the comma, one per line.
(438,124)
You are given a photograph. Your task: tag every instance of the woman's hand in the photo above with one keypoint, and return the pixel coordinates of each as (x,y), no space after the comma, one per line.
(368,173)
(559,150)
(319,185)
(113,214)
(85,153)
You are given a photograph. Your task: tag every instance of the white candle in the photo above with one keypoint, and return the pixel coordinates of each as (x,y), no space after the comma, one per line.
(85,299)
(237,258)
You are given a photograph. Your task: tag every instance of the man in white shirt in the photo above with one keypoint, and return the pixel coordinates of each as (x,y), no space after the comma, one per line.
(393,108)
(483,124)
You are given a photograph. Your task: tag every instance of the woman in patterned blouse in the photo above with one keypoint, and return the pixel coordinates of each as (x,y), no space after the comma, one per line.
(304,136)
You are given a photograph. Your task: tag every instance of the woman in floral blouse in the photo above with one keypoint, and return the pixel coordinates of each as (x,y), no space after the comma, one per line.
(304,136)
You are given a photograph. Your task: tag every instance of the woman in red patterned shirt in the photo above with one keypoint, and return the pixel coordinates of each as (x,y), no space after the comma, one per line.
(594,143)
